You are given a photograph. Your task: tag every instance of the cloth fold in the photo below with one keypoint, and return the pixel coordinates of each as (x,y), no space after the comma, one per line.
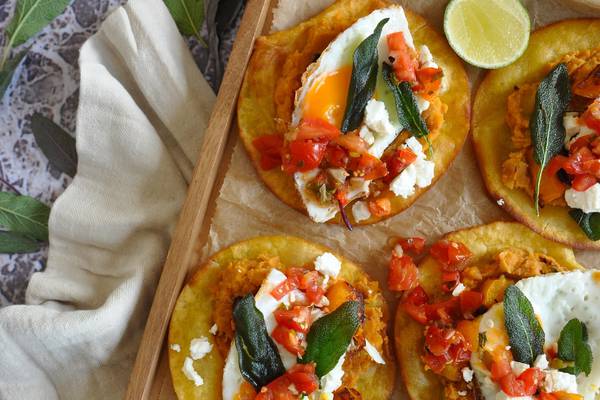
(143,108)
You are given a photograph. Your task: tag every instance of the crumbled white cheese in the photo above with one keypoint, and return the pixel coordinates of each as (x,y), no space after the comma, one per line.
(328,264)
(467,374)
(214,329)
(518,367)
(366,134)
(420,173)
(200,347)
(331,381)
(398,250)
(175,347)
(413,144)
(574,129)
(377,118)
(404,184)
(462,392)
(458,289)
(422,104)
(557,381)
(360,211)
(426,58)
(541,362)
(588,201)
(372,351)
(500,202)
(190,372)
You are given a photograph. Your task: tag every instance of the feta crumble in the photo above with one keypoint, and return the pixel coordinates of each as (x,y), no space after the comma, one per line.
(377,118)
(467,374)
(500,202)
(190,372)
(175,347)
(328,264)
(588,201)
(418,174)
(200,347)
(458,289)
(372,351)
(518,367)
(557,381)
(214,329)
(360,211)
(541,362)
(331,381)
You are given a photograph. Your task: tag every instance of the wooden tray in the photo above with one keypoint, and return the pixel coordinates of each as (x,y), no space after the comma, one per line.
(150,378)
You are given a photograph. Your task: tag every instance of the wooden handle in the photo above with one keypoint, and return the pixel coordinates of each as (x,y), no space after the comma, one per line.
(194,208)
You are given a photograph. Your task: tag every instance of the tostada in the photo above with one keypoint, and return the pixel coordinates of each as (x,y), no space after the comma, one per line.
(536,127)
(500,312)
(280,318)
(354,113)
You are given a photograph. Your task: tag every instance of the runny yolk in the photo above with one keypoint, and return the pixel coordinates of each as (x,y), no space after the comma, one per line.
(326,99)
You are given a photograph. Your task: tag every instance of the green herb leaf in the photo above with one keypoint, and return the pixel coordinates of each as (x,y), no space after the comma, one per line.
(525,333)
(56,144)
(30,17)
(258,356)
(547,130)
(573,346)
(188,15)
(406,104)
(363,79)
(589,223)
(7,72)
(330,336)
(24,215)
(11,242)
(482,339)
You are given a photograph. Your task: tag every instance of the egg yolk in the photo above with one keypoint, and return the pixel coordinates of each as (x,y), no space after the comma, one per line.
(326,99)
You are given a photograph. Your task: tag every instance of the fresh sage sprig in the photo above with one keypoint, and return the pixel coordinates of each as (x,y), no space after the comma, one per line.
(589,223)
(330,336)
(189,16)
(525,334)
(258,356)
(363,79)
(29,18)
(56,144)
(547,130)
(14,243)
(23,223)
(573,346)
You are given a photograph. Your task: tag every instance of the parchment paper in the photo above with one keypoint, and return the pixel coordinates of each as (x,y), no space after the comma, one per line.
(246,208)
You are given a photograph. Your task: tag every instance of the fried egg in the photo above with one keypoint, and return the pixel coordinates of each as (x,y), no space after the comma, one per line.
(556,299)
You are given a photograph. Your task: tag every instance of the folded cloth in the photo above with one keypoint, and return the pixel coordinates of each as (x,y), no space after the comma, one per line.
(143,108)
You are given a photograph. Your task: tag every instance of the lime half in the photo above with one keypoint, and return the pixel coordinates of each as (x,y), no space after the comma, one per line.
(487,33)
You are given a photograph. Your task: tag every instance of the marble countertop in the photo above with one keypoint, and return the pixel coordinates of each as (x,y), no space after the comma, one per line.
(47,81)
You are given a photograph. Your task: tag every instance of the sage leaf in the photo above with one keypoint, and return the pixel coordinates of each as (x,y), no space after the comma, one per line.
(573,346)
(525,334)
(258,356)
(24,215)
(11,242)
(589,223)
(8,70)
(363,79)
(188,16)
(30,17)
(547,130)
(56,144)
(330,336)
(406,104)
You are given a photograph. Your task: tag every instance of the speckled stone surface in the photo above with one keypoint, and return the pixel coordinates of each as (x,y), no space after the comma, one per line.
(47,81)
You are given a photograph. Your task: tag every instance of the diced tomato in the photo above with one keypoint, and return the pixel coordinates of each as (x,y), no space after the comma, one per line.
(246,392)
(270,148)
(581,183)
(592,167)
(303,377)
(290,339)
(500,368)
(311,284)
(303,155)
(397,162)
(296,318)
(446,311)
(430,80)
(315,128)
(412,244)
(531,378)
(414,304)
(450,280)
(405,59)
(353,143)
(336,156)
(342,196)
(584,141)
(283,288)
(574,164)
(450,254)
(402,273)
(470,301)
(445,346)
(512,386)
(279,389)
(525,384)
(591,116)
(380,207)
(367,167)
(595,146)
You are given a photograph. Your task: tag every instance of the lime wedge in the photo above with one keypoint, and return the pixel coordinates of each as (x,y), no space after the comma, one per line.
(487,33)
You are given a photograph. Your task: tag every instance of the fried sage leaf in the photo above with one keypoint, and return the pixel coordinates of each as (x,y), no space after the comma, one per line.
(330,336)
(363,79)
(11,243)
(589,223)
(573,346)
(56,144)
(547,130)
(406,104)
(258,357)
(24,215)
(525,334)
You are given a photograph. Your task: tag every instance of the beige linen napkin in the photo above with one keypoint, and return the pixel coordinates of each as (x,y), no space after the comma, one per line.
(143,108)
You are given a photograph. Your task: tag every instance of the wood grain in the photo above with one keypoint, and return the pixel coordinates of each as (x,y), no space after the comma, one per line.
(182,253)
